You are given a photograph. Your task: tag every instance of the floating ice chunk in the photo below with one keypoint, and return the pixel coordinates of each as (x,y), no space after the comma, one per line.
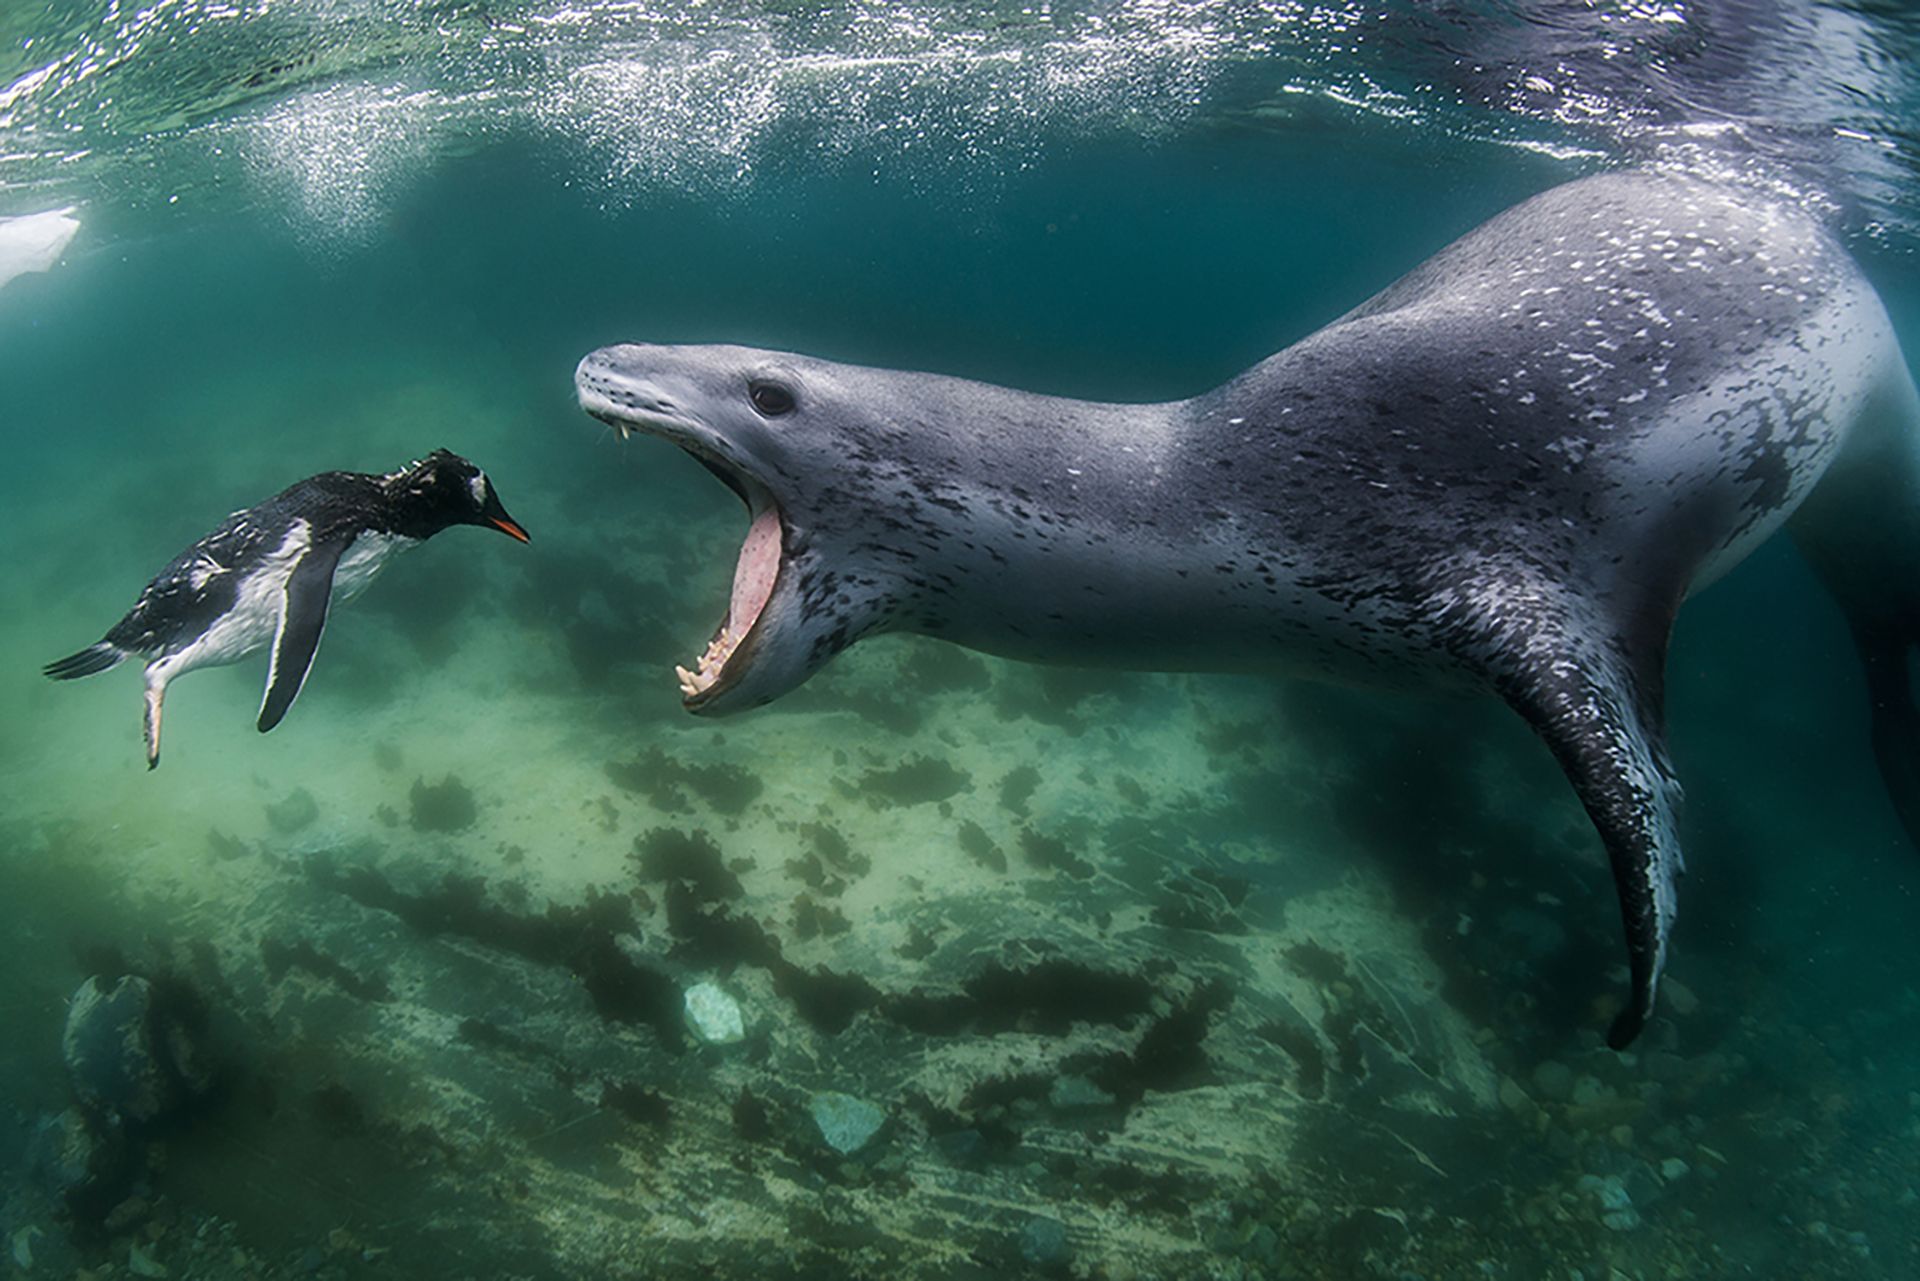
(713,1015)
(34,242)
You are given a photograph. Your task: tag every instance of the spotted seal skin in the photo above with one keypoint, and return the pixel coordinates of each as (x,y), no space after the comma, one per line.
(1506,470)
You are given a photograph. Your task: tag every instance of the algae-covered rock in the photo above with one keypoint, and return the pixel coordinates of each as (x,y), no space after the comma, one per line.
(82,1161)
(1044,1243)
(111,1053)
(845,1122)
(137,1051)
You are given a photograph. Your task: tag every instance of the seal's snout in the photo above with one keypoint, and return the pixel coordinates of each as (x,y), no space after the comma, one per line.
(677,394)
(610,387)
(594,377)
(621,360)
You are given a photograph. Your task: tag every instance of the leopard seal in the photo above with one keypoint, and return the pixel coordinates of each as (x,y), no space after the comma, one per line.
(1506,470)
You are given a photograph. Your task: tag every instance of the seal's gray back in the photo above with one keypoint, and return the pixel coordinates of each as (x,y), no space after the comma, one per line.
(1631,366)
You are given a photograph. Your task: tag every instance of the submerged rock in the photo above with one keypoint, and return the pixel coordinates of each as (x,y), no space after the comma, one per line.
(83,1162)
(1554,1080)
(1044,1244)
(1609,1194)
(142,1264)
(110,1052)
(132,1053)
(846,1123)
(962,1147)
(713,1015)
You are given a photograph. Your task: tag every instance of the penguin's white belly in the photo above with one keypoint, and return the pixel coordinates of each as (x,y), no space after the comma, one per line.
(255,617)
(254,620)
(363,561)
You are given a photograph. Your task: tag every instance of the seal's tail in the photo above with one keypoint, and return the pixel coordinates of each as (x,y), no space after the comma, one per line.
(90,661)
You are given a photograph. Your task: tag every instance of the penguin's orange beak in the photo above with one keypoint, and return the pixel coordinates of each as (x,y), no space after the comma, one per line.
(510,527)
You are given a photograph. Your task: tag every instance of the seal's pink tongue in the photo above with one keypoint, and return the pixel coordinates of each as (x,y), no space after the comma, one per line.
(753,576)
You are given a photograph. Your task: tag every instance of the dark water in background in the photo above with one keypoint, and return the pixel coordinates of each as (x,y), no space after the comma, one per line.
(337,235)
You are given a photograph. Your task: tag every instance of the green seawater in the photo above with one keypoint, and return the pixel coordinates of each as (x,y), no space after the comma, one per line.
(1152,976)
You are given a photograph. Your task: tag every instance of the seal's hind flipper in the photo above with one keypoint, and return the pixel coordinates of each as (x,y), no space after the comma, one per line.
(1617,765)
(1592,688)
(303,616)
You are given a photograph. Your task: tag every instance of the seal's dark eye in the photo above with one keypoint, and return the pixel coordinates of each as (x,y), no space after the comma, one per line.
(770,399)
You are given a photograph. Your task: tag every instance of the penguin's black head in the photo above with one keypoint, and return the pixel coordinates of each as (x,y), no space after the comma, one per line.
(442,490)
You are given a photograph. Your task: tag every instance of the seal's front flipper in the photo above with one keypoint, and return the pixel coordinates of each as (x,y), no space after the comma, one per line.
(303,616)
(1592,689)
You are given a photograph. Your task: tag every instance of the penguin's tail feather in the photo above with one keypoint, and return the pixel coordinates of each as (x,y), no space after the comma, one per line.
(90,661)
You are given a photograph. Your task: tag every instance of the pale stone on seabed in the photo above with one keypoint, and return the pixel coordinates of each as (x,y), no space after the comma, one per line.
(714,1016)
(23,1248)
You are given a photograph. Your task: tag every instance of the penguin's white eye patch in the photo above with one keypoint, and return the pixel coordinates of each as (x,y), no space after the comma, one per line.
(478,487)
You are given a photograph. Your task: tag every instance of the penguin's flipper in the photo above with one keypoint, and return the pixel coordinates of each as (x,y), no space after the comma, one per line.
(1589,680)
(303,616)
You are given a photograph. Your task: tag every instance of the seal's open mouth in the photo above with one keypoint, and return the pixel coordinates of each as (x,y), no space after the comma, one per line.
(756,570)
(754,575)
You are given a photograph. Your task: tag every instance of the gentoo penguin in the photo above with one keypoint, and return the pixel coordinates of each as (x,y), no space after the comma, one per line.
(268,575)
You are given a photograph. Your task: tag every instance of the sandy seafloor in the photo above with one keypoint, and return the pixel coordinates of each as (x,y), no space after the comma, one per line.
(1152,976)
